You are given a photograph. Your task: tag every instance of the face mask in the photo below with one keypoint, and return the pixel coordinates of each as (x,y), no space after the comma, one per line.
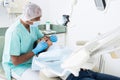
(35,24)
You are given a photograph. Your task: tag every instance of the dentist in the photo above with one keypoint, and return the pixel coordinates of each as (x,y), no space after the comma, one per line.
(18,49)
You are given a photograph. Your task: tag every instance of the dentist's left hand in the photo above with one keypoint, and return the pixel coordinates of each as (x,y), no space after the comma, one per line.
(42,45)
(53,38)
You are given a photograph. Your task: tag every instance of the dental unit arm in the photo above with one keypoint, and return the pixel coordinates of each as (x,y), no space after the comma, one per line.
(79,58)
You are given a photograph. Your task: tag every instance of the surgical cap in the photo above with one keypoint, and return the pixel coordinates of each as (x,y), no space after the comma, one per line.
(31,11)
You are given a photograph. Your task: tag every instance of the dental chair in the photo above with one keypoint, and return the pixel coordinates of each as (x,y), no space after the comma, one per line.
(110,62)
(96,48)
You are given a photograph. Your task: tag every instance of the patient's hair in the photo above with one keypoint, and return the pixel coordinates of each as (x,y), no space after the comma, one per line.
(35,44)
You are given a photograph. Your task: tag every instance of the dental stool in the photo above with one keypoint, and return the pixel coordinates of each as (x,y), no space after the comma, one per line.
(2,74)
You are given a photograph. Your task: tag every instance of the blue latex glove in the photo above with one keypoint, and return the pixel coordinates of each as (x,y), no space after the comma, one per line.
(53,38)
(42,45)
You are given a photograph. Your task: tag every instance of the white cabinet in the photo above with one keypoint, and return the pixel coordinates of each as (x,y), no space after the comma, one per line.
(16,6)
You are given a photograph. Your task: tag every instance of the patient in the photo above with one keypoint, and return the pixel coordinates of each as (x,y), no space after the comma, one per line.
(84,74)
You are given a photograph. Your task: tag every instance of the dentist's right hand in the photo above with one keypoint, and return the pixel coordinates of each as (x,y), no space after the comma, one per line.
(42,45)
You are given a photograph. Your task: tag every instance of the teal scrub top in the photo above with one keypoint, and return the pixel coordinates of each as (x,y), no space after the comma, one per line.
(18,41)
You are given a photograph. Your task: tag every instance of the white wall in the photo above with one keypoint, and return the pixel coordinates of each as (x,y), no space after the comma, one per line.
(57,9)
(87,22)
(52,10)
(7,19)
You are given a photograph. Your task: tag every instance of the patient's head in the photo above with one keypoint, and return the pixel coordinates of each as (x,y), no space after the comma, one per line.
(46,39)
